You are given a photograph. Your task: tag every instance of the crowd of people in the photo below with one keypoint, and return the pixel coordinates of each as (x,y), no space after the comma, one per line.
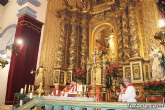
(127,91)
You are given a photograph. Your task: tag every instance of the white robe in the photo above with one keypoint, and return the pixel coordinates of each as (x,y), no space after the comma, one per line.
(157,69)
(130,95)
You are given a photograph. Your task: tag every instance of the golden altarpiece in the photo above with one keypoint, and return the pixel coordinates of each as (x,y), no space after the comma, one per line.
(95,32)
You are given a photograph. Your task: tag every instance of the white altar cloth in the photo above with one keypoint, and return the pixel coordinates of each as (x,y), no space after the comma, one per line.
(85,99)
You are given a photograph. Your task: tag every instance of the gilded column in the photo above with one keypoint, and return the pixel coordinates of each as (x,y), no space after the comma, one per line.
(120,37)
(125,34)
(61,46)
(84,42)
(73,39)
(60,52)
(134,39)
(104,77)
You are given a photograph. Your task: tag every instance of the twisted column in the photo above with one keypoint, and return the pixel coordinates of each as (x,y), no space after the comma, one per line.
(60,52)
(134,38)
(73,39)
(84,42)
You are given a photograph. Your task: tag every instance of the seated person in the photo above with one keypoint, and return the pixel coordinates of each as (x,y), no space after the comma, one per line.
(75,87)
(56,91)
(122,89)
(67,89)
(98,93)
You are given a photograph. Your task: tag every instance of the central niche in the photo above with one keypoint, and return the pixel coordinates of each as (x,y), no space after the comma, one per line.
(104,41)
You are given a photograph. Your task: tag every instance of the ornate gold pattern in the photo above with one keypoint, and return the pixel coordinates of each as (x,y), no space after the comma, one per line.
(50,40)
(68,43)
(134,38)
(149,27)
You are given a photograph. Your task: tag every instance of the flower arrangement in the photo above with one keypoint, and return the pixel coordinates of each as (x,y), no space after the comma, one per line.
(80,73)
(154,85)
(113,70)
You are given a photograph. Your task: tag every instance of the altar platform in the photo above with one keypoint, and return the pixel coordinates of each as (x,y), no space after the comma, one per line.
(57,103)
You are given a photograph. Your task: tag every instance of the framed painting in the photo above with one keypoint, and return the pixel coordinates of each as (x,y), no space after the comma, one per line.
(56,75)
(127,71)
(136,72)
(147,72)
(69,77)
(61,77)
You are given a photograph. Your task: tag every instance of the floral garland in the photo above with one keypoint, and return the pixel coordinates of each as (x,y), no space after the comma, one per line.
(154,85)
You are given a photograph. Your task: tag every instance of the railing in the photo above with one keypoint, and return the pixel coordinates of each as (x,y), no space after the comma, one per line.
(49,104)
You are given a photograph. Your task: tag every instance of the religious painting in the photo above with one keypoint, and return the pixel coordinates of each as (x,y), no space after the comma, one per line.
(56,76)
(126,71)
(68,77)
(136,70)
(96,76)
(61,77)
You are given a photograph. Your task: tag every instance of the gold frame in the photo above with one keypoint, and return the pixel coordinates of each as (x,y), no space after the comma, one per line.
(124,70)
(136,69)
(56,75)
(146,67)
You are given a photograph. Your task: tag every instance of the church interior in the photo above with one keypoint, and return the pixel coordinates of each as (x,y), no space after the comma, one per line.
(76,54)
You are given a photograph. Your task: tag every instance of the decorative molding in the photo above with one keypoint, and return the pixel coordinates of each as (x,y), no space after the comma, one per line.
(33,2)
(27,10)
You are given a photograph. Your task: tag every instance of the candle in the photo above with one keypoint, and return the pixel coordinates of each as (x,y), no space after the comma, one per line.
(21,91)
(31,95)
(21,102)
(29,89)
(84,88)
(25,88)
(32,88)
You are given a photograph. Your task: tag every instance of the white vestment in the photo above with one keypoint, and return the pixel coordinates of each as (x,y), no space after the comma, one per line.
(129,95)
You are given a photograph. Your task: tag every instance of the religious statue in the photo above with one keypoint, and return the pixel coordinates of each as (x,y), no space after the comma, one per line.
(157,69)
(39,75)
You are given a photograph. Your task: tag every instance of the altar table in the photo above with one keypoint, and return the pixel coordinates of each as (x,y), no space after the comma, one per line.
(57,103)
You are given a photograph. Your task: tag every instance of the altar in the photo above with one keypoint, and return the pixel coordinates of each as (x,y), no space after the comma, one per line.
(52,104)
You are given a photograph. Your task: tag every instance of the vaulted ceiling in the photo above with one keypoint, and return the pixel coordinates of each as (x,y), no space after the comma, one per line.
(3,2)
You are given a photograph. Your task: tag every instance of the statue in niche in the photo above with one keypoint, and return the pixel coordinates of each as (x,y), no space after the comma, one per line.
(102,43)
(157,69)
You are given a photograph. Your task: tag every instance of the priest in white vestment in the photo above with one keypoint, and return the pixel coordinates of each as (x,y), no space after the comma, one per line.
(129,95)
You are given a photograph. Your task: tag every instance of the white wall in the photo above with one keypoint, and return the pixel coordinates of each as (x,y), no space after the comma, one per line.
(8,16)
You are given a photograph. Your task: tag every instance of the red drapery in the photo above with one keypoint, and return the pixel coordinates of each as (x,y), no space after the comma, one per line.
(24,57)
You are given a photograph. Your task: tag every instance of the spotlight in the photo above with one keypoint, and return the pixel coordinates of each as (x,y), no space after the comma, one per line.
(161,23)
(19,41)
